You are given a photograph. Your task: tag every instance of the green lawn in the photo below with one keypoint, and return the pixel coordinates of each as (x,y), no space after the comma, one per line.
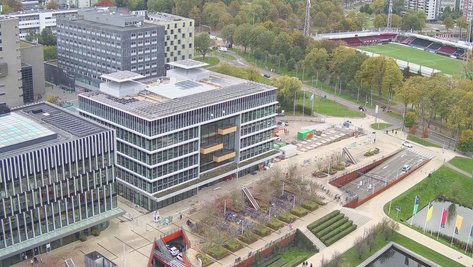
(212,61)
(465,164)
(240,73)
(350,257)
(223,55)
(443,182)
(326,107)
(291,257)
(445,64)
(380,126)
(421,141)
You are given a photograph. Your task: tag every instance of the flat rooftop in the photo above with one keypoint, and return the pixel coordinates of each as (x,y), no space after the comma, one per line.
(165,17)
(183,90)
(188,64)
(122,76)
(40,125)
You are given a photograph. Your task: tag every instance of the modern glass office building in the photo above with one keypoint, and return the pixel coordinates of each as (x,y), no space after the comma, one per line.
(56,180)
(185,132)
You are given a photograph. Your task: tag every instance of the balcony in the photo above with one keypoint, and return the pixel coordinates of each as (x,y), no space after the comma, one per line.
(211,148)
(223,155)
(227,130)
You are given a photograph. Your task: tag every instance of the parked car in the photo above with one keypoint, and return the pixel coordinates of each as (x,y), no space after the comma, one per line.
(174,251)
(361,108)
(179,257)
(407,144)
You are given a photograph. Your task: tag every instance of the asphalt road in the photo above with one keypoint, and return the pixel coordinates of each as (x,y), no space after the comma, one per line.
(383,174)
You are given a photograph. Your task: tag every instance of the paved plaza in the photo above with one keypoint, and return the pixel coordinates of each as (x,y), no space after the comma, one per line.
(129,242)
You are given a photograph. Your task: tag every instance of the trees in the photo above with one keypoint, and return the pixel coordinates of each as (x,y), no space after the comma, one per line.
(408,93)
(413,21)
(380,21)
(136,4)
(468,67)
(242,35)
(316,61)
(202,43)
(288,87)
(371,73)
(392,79)
(448,22)
(49,52)
(282,44)
(227,34)
(462,24)
(53,4)
(161,5)
(47,37)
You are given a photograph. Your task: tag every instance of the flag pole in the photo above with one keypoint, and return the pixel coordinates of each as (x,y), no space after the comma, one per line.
(425,223)
(441,217)
(469,237)
(453,235)
(412,218)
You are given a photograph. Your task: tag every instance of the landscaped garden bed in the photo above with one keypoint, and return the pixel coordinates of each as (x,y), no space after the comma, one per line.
(275,224)
(299,211)
(233,245)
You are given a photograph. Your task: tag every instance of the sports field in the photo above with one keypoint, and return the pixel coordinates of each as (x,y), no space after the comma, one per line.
(444,64)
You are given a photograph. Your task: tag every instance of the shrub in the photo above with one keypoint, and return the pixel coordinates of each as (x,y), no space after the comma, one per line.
(275,224)
(324,219)
(299,211)
(340,235)
(327,223)
(248,238)
(306,243)
(95,232)
(233,245)
(215,251)
(262,231)
(82,237)
(310,205)
(287,217)
(413,129)
(206,261)
(465,143)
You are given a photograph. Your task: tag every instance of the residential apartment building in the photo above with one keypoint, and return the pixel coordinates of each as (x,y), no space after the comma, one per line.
(184,132)
(468,9)
(35,21)
(11,93)
(99,42)
(431,7)
(56,180)
(178,33)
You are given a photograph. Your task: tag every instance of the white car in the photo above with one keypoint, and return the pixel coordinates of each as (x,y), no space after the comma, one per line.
(179,257)
(406,168)
(174,251)
(407,144)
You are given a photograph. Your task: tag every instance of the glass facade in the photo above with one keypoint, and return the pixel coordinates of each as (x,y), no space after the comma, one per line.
(159,155)
(53,187)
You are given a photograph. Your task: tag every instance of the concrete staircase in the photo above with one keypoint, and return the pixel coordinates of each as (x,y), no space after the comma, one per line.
(314,239)
(349,155)
(357,217)
(250,197)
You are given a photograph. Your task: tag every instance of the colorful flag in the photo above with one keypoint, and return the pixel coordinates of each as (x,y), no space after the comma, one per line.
(416,205)
(443,221)
(431,210)
(458,224)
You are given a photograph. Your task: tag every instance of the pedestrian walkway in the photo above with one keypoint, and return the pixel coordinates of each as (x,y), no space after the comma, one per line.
(314,239)
(357,217)
(459,170)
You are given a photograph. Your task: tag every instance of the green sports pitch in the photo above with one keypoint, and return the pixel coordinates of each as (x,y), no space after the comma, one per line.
(444,64)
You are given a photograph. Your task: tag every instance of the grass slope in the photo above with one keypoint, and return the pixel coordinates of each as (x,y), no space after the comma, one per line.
(465,164)
(445,64)
(326,107)
(444,182)
(421,141)
(380,126)
(212,61)
(350,258)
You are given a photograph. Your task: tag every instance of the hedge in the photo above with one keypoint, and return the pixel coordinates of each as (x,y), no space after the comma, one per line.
(287,217)
(216,251)
(307,244)
(206,261)
(334,232)
(248,238)
(340,235)
(323,219)
(275,224)
(327,223)
(331,227)
(262,231)
(299,211)
(310,205)
(233,245)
